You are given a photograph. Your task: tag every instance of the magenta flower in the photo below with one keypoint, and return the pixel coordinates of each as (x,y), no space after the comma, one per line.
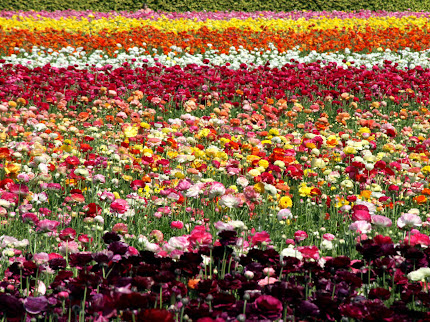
(119,206)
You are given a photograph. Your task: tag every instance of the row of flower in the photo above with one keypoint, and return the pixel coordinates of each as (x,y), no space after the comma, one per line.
(220,15)
(214,284)
(258,24)
(234,59)
(193,35)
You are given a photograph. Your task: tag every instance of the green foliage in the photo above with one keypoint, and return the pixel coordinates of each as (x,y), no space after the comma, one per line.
(220,5)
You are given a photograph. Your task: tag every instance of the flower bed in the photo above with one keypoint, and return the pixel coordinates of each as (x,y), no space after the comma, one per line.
(157,183)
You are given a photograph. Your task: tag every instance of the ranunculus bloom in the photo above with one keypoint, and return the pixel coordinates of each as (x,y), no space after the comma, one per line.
(300,235)
(267,280)
(381,221)
(177,224)
(36,305)
(309,252)
(260,237)
(361,215)
(409,221)
(361,226)
(268,307)
(229,201)
(119,206)
(47,225)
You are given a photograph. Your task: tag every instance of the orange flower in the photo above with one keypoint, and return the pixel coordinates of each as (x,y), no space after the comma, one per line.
(421,199)
(192,283)
(366,194)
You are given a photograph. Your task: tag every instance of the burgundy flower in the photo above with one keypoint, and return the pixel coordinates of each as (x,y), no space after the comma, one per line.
(268,307)
(156,315)
(307,308)
(379,293)
(10,306)
(111,237)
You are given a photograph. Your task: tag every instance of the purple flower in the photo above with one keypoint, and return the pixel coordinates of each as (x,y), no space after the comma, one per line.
(35,305)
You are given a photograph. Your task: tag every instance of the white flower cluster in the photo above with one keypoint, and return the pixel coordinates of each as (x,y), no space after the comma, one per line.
(40,56)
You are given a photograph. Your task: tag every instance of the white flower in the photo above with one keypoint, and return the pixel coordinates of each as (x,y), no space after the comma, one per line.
(242,181)
(228,201)
(270,189)
(408,221)
(194,190)
(216,190)
(290,252)
(420,274)
(326,245)
(237,224)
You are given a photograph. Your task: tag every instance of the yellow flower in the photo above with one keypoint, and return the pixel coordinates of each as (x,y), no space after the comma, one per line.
(259,187)
(285,202)
(251,158)
(263,163)
(304,190)
(145,125)
(12,168)
(116,194)
(204,133)
(131,131)
(274,132)
(426,170)
(254,172)
(179,175)
(349,150)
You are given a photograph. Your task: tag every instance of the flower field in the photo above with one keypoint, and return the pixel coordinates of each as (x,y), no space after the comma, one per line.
(214,166)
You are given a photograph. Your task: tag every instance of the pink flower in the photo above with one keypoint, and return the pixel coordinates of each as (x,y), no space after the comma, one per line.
(132,251)
(267,280)
(19,189)
(77,197)
(41,258)
(120,228)
(106,196)
(361,215)
(119,206)
(47,225)
(311,252)
(229,201)
(30,217)
(381,221)
(418,238)
(157,235)
(199,236)
(217,189)
(300,235)
(259,238)
(183,185)
(269,271)
(66,247)
(180,242)
(290,241)
(328,236)
(361,227)
(177,224)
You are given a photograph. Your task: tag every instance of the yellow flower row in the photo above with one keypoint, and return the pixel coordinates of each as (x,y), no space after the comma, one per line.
(123,24)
